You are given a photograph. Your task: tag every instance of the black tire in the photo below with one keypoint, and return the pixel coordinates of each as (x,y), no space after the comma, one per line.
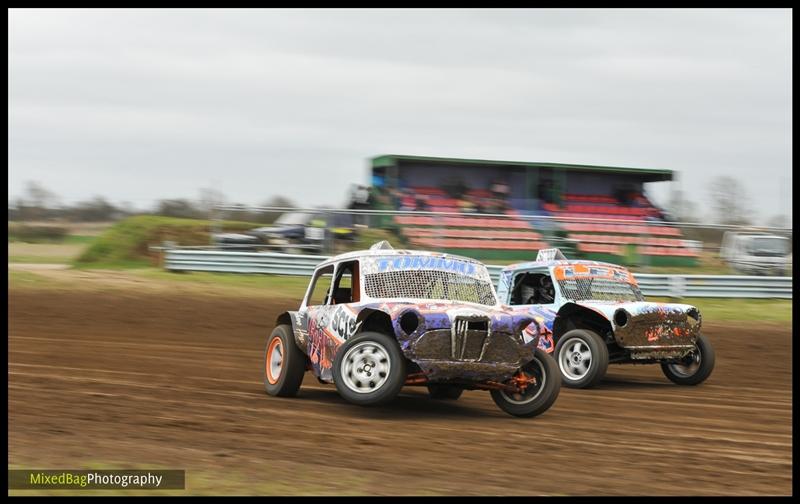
(449,392)
(369,386)
(697,366)
(536,400)
(292,366)
(585,341)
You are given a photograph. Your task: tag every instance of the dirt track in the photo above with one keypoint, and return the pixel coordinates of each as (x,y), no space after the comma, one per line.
(163,380)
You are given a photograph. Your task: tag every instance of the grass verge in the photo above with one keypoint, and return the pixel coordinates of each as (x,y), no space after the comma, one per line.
(715,311)
(127,243)
(54,253)
(37,259)
(722,311)
(280,286)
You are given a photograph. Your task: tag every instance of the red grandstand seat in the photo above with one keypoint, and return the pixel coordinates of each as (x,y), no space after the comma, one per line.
(620,229)
(469,222)
(433,191)
(480,193)
(415,232)
(668,251)
(623,239)
(599,248)
(455,243)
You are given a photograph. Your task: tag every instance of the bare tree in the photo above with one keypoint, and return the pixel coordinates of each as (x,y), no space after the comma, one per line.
(39,196)
(209,198)
(177,208)
(681,209)
(278,201)
(127,208)
(38,203)
(97,209)
(269,217)
(730,201)
(778,221)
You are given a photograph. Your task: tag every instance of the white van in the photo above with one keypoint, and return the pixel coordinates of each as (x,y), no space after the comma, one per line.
(754,253)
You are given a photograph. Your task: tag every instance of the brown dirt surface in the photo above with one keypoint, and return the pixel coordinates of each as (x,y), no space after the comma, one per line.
(167,380)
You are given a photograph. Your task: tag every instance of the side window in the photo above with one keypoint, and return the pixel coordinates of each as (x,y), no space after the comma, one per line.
(533,288)
(321,287)
(346,288)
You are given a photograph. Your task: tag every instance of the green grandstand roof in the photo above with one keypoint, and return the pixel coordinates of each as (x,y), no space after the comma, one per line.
(394,159)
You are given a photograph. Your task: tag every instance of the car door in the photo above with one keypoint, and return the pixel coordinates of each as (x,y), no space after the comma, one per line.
(528,289)
(316,312)
(331,314)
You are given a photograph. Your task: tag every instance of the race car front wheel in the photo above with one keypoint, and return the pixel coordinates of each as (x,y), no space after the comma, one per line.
(544,384)
(582,357)
(284,363)
(693,369)
(369,369)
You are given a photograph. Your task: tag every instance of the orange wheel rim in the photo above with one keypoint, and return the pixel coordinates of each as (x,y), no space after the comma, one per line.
(274,361)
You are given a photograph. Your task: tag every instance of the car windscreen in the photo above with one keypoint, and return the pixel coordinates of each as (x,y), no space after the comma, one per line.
(428,277)
(769,246)
(580,282)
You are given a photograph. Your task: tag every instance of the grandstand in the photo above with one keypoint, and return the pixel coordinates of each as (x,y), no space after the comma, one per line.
(524,191)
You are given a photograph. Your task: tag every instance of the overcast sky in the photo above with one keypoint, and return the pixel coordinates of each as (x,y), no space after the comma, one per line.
(141,105)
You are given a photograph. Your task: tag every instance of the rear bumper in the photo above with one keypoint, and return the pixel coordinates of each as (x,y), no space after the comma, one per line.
(658,331)
(659,352)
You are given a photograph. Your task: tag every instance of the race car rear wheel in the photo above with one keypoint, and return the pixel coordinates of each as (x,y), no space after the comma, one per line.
(284,363)
(537,397)
(369,369)
(451,392)
(693,369)
(582,357)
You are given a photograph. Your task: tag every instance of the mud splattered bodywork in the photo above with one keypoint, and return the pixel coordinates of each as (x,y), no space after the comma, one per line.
(650,330)
(460,341)
(606,298)
(442,310)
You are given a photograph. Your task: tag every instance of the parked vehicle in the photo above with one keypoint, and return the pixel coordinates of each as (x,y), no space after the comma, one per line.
(590,314)
(292,232)
(239,242)
(757,253)
(373,321)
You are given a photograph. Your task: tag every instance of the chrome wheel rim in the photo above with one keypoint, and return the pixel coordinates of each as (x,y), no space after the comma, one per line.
(689,366)
(575,359)
(274,360)
(365,367)
(536,368)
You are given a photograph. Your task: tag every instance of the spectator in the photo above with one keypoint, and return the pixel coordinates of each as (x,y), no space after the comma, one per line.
(546,191)
(500,189)
(422,202)
(359,200)
(625,194)
(395,197)
(466,206)
(640,201)
(455,187)
(362,195)
(406,201)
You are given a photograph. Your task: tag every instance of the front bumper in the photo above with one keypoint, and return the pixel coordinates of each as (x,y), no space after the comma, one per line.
(475,356)
(443,370)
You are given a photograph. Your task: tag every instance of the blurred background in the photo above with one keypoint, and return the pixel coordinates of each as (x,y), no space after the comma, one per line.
(586,130)
(240,146)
